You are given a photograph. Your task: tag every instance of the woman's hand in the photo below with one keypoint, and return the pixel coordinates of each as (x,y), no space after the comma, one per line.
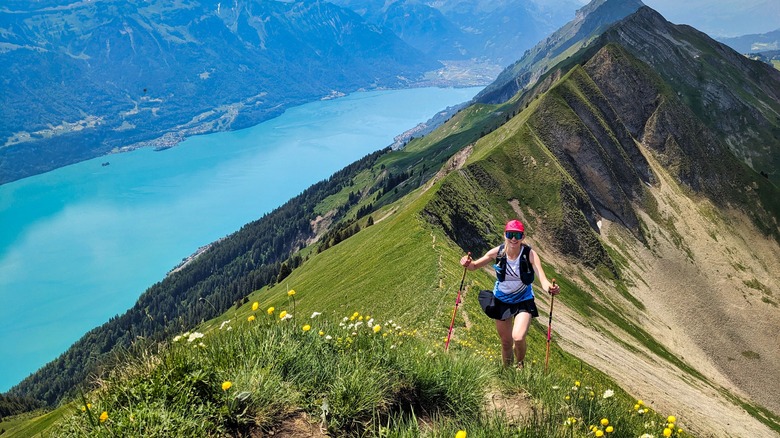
(553,289)
(465,261)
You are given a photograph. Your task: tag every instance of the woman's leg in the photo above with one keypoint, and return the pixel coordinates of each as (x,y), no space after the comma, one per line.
(504,329)
(520,329)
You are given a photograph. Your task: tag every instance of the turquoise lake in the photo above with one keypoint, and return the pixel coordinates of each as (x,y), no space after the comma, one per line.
(79,245)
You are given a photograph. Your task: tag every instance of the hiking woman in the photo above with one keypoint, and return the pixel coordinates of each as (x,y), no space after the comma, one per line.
(511,302)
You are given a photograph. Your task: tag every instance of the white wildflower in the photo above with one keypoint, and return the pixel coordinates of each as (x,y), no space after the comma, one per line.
(286,317)
(194,336)
(608,393)
(315,314)
(177,338)
(328,337)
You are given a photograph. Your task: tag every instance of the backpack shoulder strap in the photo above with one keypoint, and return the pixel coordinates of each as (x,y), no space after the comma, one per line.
(501,252)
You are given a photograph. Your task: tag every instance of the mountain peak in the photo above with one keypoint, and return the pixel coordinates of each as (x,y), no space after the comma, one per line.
(620,7)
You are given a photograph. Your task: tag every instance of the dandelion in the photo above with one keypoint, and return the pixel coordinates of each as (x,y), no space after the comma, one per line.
(567,398)
(608,393)
(88,406)
(667,432)
(291,292)
(306,328)
(671,419)
(604,422)
(251,318)
(321,333)
(270,310)
(315,314)
(576,383)
(636,407)
(255,305)
(103,417)
(283,314)
(599,433)
(377,328)
(460,434)
(609,429)
(226,385)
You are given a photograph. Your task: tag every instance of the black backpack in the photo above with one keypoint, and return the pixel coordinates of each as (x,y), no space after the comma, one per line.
(526,270)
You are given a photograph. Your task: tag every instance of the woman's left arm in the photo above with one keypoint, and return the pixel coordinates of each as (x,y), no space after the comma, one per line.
(536,262)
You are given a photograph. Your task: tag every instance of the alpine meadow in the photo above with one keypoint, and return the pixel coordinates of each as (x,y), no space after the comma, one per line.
(643,158)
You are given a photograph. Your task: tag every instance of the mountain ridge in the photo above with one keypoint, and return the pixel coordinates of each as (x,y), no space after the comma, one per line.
(670,263)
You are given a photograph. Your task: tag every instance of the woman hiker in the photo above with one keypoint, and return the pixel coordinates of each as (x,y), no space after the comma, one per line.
(511,302)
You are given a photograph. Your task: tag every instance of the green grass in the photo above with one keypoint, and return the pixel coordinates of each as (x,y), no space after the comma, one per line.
(360,375)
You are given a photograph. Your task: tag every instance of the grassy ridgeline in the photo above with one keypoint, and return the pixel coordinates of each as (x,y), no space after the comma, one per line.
(354,376)
(350,370)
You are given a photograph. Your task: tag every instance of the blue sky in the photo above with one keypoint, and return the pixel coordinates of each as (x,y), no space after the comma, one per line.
(722,18)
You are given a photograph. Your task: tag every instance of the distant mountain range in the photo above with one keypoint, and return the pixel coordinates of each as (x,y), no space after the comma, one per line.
(494,31)
(642,157)
(87,78)
(83,79)
(754,43)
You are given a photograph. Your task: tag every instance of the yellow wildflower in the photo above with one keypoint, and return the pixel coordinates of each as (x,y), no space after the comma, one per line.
(672,419)
(226,385)
(609,429)
(291,292)
(103,417)
(255,305)
(282,314)
(271,310)
(604,422)
(251,318)
(321,333)
(599,433)
(306,328)
(460,434)
(377,328)
(667,432)
(576,383)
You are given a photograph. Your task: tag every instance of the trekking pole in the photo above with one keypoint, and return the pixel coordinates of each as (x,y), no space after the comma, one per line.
(455,310)
(549,331)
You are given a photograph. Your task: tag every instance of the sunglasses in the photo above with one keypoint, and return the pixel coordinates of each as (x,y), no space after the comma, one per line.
(514,234)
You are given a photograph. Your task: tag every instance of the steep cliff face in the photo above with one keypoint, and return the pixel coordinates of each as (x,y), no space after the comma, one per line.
(738,99)
(674,239)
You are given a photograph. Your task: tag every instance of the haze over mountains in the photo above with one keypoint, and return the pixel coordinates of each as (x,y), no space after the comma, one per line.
(82,79)
(643,155)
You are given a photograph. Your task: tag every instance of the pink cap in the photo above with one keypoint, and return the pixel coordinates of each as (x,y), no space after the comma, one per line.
(514,225)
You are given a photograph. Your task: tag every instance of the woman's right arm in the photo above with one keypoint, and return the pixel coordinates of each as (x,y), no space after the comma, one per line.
(473,265)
